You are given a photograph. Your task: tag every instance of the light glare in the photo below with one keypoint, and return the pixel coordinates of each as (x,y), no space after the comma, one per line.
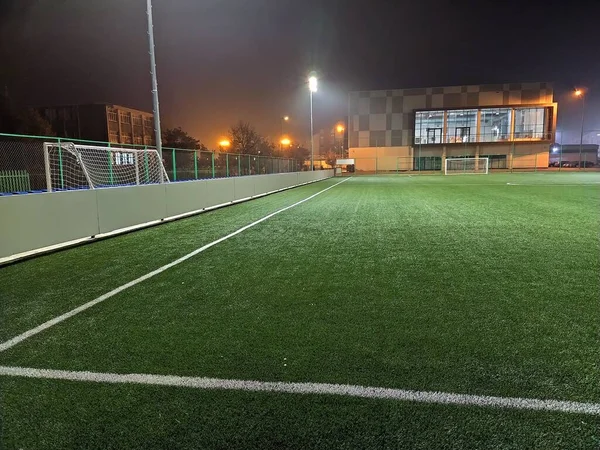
(312,84)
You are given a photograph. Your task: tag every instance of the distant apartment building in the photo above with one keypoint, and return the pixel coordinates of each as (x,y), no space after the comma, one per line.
(101,122)
(330,140)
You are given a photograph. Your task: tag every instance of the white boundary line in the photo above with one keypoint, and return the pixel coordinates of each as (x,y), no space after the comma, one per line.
(50,323)
(309,388)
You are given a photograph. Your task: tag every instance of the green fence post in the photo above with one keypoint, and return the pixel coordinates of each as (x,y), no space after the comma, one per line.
(195,165)
(174,164)
(257,165)
(227,165)
(248,164)
(535,163)
(239,160)
(212,158)
(512,157)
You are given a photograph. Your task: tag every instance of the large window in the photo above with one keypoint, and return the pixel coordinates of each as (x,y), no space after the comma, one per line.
(529,123)
(428,127)
(495,125)
(462,126)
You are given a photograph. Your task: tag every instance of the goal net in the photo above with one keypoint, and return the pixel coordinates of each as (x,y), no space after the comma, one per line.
(466,165)
(74,166)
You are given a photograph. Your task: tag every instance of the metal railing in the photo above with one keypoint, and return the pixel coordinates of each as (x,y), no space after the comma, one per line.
(22,167)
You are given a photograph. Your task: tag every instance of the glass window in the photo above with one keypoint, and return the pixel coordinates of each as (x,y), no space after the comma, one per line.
(462,126)
(529,123)
(495,125)
(428,127)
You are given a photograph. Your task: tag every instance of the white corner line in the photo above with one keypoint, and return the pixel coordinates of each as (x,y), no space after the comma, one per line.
(431,397)
(50,323)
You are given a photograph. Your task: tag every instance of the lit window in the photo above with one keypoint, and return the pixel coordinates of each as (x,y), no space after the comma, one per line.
(462,126)
(495,124)
(428,127)
(530,123)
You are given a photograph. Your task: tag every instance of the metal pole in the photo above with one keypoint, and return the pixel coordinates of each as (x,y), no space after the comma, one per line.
(312,140)
(155,110)
(581,135)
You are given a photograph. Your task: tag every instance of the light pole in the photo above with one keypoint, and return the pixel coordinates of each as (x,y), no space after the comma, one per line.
(580,93)
(284,119)
(340,129)
(312,86)
(154,82)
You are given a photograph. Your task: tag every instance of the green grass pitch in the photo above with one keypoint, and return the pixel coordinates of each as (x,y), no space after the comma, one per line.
(483,285)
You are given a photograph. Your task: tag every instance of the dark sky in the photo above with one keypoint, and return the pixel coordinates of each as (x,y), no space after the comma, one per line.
(224,60)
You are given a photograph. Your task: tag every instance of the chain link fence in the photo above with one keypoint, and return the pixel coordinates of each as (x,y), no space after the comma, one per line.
(524,155)
(23,170)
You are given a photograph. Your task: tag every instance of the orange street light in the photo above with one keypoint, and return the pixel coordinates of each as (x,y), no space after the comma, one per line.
(286,142)
(286,118)
(340,128)
(224,144)
(578,92)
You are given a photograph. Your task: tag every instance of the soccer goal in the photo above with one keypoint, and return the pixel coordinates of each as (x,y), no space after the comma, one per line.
(455,166)
(75,166)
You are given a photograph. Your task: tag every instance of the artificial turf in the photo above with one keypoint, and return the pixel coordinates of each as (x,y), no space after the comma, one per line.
(461,284)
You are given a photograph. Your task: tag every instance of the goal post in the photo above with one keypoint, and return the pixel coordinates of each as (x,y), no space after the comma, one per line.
(474,166)
(74,166)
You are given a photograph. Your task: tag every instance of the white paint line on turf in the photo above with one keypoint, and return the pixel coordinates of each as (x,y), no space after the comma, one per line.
(50,323)
(309,388)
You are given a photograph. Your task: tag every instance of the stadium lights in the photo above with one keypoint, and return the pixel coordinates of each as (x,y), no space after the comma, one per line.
(312,87)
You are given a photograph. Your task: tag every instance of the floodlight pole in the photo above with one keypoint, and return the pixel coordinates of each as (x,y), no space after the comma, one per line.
(312,139)
(581,135)
(155,110)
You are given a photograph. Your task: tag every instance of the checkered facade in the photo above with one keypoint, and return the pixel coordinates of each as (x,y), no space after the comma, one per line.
(387,117)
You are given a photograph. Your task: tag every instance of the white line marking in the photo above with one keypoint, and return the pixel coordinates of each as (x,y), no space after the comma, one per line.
(50,323)
(309,388)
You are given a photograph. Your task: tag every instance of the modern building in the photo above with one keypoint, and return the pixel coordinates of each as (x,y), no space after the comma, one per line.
(101,122)
(416,129)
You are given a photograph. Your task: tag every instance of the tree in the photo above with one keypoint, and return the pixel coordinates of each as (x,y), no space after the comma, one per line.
(331,157)
(22,120)
(300,155)
(177,138)
(245,139)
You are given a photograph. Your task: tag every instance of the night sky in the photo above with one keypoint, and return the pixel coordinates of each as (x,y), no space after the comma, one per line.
(220,61)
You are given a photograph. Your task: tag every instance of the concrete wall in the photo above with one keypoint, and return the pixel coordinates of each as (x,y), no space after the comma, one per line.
(34,221)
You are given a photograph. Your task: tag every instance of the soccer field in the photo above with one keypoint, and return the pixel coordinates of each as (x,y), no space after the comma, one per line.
(422,312)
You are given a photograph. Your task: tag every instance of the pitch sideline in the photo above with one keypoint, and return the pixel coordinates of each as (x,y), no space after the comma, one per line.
(56,320)
(442,398)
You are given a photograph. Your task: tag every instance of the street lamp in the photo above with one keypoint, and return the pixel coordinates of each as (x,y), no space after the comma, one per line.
(285,142)
(225,143)
(580,93)
(340,129)
(284,119)
(312,86)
